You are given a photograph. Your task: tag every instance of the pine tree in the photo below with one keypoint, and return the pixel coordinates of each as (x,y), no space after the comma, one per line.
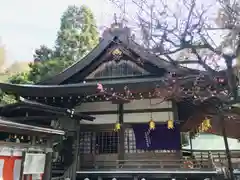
(43,53)
(77,36)
(78,33)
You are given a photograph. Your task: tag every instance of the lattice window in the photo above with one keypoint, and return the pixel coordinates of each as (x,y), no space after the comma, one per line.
(130,143)
(118,69)
(107,142)
(87,140)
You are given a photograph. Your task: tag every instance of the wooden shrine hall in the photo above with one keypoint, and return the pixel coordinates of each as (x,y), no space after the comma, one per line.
(134,108)
(20,142)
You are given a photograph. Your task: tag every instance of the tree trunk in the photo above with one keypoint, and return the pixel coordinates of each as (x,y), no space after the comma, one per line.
(228,153)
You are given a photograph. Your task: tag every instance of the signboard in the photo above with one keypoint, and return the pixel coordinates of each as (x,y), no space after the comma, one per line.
(34,163)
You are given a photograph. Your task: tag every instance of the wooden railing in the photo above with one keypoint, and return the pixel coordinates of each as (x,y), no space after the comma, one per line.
(213,152)
(195,161)
(218,157)
(198,159)
(58,178)
(154,164)
(67,174)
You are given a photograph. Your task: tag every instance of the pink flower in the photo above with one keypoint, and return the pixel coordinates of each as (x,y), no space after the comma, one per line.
(100,87)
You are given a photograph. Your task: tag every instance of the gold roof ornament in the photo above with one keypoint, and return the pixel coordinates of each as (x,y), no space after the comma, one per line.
(117,52)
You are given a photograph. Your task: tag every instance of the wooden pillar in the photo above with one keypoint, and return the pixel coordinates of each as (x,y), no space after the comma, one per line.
(228,153)
(190,142)
(75,164)
(121,148)
(48,162)
(33,140)
(22,165)
(175,110)
(175,114)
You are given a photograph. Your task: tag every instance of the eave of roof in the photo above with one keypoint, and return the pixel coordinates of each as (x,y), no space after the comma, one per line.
(134,85)
(48,111)
(10,126)
(80,88)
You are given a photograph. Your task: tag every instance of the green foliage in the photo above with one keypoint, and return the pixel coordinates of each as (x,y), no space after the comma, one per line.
(39,71)
(20,78)
(78,33)
(7,99)
(43,53)
(77,36)
(17,73)
(42,70)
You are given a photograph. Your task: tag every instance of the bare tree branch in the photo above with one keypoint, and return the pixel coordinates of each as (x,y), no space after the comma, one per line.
(170,32)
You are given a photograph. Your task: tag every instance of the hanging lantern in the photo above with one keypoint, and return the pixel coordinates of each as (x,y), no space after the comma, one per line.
(170,124)
(152,125)
(117,126)
(206,125)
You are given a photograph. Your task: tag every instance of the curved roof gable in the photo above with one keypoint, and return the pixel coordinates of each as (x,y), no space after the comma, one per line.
(108,40)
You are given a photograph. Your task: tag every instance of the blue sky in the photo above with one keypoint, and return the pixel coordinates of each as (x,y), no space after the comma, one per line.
(25,25)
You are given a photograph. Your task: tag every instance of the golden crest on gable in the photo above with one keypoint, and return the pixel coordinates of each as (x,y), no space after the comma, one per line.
(117,52)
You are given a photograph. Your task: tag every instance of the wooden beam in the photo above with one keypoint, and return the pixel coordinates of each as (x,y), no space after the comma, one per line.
(48,162)
(76,152)
(129,111)
(134,85)
(12,127)
(121,132)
